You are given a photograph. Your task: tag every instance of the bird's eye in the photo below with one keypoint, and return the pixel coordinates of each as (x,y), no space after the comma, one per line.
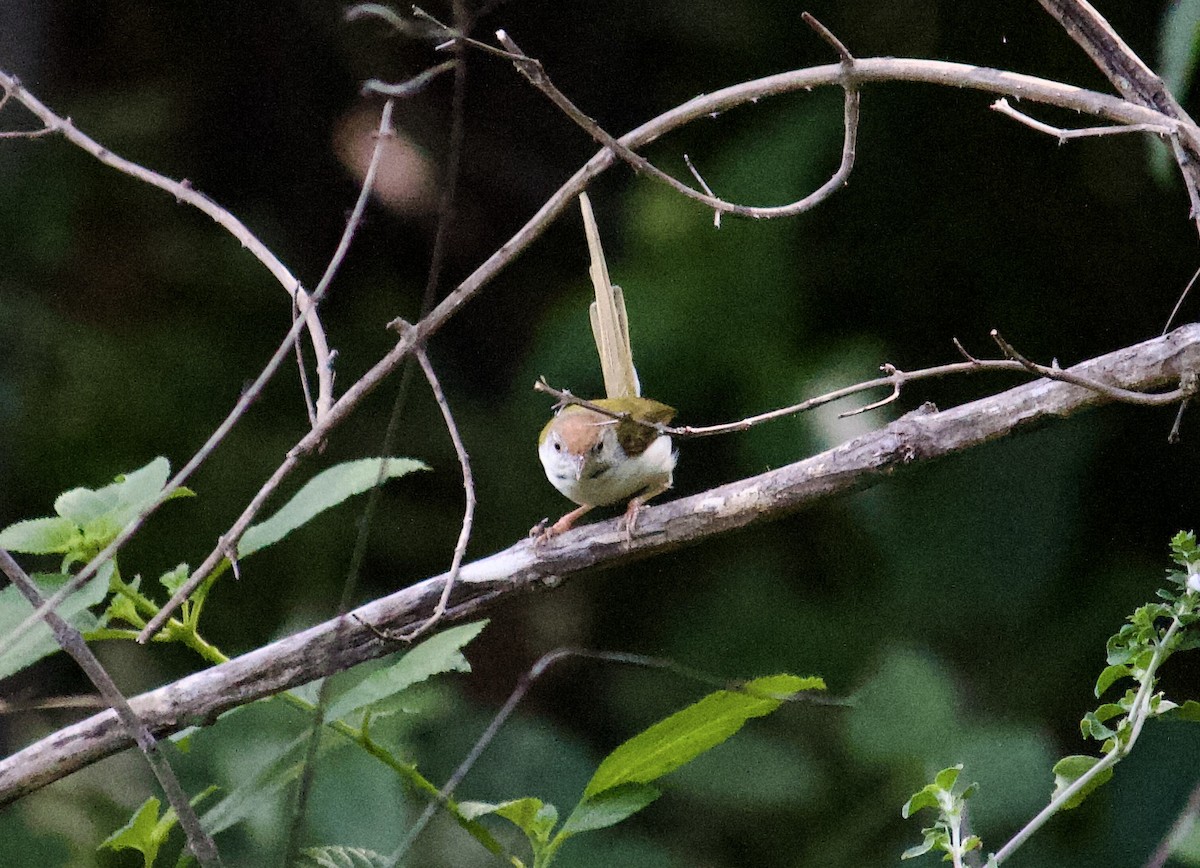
(557,446)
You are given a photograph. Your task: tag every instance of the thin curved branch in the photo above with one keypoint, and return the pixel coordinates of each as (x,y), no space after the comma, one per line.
(1063,135)
(536,75)
(183,191)
(334,645)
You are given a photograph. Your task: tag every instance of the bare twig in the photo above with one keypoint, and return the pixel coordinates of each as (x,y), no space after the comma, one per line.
(1126,396)
(687,161)
(895,378)
(859,463)
(27,134)
(535,73)
(412,86)
(18,706)
(183,191)
(870,70)
(228,542)
(71,641)
(464,535)
(1003,106)
(1134,80)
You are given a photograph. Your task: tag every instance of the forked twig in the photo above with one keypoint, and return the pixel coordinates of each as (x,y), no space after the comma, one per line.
(1003,106)
(896,379)
(859,463)
(1135,81)
(1125,396)
(869,70)
(228,542)
(535,73)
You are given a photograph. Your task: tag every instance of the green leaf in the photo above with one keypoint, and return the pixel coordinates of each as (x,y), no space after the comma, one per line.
(946,778)
(608,807)
(173,580)
(1070,769)
(1189,711)
(325,490)
(1091,727)
(121,608)
(39,642)
(686,734)
(1109,676)
(342,857)
(926,797)
(42,536)
(103,512)
(933,838)
(437,654)
(141,833)
(532,816)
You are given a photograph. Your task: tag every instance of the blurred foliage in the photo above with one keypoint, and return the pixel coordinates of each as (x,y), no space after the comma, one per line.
(965,605)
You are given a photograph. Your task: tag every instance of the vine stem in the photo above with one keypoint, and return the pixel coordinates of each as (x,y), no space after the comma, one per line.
(1138,715)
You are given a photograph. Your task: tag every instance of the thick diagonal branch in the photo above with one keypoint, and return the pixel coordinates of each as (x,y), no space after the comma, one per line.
(335,645)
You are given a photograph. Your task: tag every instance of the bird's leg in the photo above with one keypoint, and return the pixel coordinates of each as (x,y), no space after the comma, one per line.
(636,504)
(541,533)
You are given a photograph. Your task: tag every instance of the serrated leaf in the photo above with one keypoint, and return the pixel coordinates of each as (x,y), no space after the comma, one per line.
(342,857)
(439,653)
(173,580)
(685,735)
(324,491)
(39,642)
(608,807)
(42,536)
(116,504)
(1070,769)
(140,833)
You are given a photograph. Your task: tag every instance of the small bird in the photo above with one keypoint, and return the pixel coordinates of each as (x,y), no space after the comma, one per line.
(593,458)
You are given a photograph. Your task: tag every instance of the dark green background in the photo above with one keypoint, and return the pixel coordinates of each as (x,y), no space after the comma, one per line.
(965,605)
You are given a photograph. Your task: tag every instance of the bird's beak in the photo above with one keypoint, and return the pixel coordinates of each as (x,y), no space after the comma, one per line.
(577,463)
